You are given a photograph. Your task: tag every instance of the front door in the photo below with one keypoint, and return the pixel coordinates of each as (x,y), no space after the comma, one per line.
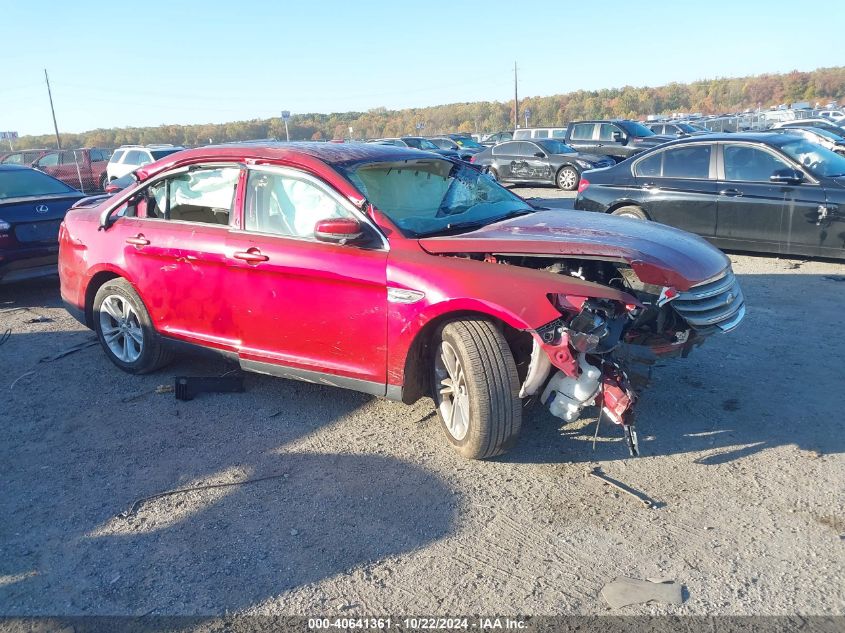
(305,308)
(754,212)
(174,233)
(533,163)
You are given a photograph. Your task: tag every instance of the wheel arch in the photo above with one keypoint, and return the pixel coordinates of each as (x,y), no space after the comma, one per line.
(417,377)
(618,204)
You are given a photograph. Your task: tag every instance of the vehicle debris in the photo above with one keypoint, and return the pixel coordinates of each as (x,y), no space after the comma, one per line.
(69,350)
(623,591)
(187,387)
(29,373)
(639,496)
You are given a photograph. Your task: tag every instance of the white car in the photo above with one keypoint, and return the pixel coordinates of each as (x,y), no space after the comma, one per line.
(837,116)
(127,158)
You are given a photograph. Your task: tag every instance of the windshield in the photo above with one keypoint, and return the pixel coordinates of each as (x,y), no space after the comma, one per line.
(822,131)
(818,160)
(161,153)
(685,127)
(424,197)
(555,147)
(468,142)
(420,143)
(635,129)
(21,183)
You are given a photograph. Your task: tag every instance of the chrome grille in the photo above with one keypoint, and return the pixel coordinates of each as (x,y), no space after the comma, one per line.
(716,305)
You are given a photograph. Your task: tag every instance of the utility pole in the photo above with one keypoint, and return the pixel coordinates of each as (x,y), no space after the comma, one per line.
(515,100)
(55,126)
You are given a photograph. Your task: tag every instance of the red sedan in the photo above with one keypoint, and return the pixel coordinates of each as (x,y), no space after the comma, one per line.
(394,272)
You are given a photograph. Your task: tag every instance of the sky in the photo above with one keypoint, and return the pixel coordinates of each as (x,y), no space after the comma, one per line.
(121,64)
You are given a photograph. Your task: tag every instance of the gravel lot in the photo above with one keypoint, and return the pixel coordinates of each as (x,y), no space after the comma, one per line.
(369,512)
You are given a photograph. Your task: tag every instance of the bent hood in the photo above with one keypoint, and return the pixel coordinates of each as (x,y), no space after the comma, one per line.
(657,253)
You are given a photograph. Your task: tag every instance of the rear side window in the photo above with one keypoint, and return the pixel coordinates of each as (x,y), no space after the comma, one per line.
(582,131)
(558,133)
(541,134)
(203,196)
(522,134)
(285,205)
(70,158)
(49,160)
(687,162)
(507,149)
(649,167)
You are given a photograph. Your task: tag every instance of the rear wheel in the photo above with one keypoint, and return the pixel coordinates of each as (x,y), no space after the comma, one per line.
(103,181)
(567,178)
(490,171)
(125,330)
(630,211)
(476,389)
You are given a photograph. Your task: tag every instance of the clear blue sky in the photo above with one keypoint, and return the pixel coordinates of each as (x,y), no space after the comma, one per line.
(151,62)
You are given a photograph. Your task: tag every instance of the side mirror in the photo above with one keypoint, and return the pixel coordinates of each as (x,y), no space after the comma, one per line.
(338,230)
(539,155)
(787,177)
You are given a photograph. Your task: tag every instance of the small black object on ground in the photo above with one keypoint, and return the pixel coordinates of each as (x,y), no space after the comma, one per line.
(187,387)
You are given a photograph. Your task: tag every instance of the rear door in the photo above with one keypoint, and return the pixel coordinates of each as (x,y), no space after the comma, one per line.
(173,239)
(306,308)
(679,187)
(504,155)
(754,212)
(583,138)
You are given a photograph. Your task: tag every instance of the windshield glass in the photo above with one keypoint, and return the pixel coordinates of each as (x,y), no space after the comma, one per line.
(468,142)
(635,129)
(425,197)
(555,147)
(818,160)
(685,127)
(21,183)
(420,143)
(161,153)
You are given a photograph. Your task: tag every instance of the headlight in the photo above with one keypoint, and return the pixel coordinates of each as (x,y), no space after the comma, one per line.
(584,164)
(4,226)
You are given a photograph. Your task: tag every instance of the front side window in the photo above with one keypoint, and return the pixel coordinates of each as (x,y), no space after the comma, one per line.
(133,157)
(13,159)
(49,160)
(606,131)
(203,195)
(118,154)
(750,164)
(506,149)
(583,131)
(429,196)
(287,205)
(556,147)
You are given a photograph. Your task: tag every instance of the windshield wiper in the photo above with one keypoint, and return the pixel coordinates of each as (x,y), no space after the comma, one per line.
(462,227)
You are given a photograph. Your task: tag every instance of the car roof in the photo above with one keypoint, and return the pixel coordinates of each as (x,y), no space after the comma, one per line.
(769,138)
(313,155)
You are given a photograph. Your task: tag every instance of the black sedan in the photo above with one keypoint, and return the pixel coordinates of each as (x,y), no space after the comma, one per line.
(772,193)
(466,148)
(545,161)
(32,205)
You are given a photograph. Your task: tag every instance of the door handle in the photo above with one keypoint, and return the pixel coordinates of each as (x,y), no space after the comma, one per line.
(733,193)
(139,240)
(251,256)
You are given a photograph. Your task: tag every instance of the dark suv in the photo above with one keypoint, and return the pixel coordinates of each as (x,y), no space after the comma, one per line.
(618,138)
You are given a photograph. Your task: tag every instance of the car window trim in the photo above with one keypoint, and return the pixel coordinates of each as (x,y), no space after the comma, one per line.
(809,179)
(339,198)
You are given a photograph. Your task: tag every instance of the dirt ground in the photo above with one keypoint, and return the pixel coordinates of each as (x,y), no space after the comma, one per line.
(367,511)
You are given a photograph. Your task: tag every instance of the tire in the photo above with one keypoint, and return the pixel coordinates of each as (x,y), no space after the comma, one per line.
(630,211)
(490,171)
(103,182)
(484,421)
(567,178)
(125,330)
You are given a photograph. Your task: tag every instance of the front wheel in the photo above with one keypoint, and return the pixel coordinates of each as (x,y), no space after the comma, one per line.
(476,389)
(490,171)
(567,178)
(125,330)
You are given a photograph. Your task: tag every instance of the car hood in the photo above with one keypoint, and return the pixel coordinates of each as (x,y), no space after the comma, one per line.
(592,158)
(17,210)
(652,140)
(657,253)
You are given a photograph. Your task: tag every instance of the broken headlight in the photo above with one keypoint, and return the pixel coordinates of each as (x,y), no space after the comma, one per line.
(597,328)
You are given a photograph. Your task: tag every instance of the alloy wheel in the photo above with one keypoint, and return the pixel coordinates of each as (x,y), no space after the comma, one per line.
(567,179)
(452,391)
(121,328)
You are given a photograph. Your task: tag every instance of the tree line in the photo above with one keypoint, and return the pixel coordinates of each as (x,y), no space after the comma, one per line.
(713,96)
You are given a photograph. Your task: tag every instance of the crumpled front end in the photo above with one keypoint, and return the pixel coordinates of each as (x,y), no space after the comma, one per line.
(601,355)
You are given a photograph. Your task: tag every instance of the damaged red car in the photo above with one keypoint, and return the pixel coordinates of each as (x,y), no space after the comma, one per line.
(394,272)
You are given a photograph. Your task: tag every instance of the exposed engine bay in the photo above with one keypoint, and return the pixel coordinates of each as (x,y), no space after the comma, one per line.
(600,351)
